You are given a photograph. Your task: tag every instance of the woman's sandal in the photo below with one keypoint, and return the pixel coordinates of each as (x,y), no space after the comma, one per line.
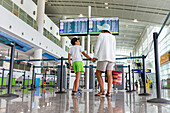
(76,93)
(108,94)
(100,93)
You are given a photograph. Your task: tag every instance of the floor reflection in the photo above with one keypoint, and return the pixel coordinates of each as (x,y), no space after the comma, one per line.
(44,100)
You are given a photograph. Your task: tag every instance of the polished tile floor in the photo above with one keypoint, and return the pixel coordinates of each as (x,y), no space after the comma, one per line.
(46,101)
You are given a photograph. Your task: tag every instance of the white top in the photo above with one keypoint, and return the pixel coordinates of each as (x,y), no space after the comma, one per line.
(105,47)
(76,52)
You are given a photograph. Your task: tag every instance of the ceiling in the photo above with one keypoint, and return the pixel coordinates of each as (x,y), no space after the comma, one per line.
(147,12)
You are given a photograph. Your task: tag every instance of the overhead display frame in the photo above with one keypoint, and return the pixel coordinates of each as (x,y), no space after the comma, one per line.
(112,21)
(84,26)
(74,27)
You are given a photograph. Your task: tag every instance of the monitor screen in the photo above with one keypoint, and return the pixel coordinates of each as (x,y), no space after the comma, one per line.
(74,27)
(112,21)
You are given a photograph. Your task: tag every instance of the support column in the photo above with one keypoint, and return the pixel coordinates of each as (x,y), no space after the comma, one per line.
(83,42)
(40,15)
(88,52)
(92,50)
(38,55)
(63,42)
(40,24)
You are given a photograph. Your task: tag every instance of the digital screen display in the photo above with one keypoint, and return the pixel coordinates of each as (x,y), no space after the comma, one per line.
(112,21)
(74,27)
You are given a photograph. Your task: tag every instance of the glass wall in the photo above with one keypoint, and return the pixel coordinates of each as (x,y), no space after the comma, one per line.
(145,47)
(67,49)
(12,7)
(165,68)
(50,36)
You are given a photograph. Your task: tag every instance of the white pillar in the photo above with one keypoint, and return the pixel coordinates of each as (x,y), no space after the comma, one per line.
(63,42)
(83,42)
(38,55)
(40,24)
(92,50)
(88,52)
(40,15)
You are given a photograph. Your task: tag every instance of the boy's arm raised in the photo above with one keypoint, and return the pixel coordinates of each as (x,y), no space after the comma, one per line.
(87,56)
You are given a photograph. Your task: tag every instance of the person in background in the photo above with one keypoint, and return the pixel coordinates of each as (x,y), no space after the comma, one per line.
(106,51)
(75,52)
(136,83)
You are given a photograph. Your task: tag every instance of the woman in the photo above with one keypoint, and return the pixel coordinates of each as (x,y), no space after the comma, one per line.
(106,51)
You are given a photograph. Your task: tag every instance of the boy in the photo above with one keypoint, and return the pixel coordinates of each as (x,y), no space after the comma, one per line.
(77,63)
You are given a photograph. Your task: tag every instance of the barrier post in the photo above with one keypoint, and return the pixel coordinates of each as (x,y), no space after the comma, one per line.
(130,89)
(33,73)
(54,81)
(35,79)
(24,82)
(2,82)
(42,84)
(9,94)
(140,75)
(158,85)
(28,81)
(126,82)
(61,78)
(133,80)
(91,78)
(144,75)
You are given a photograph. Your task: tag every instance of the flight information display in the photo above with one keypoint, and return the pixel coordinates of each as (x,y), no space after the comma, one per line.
(74,26)
(112,21)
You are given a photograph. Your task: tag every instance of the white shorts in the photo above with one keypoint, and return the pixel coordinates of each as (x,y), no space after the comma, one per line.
(105,65)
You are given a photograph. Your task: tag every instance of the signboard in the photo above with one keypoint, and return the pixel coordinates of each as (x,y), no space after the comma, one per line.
(165,58)
(112,21)
(73,27)
(83,26)
(137,70)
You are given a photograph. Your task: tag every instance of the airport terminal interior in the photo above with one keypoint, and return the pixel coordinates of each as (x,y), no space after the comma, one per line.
(35,40)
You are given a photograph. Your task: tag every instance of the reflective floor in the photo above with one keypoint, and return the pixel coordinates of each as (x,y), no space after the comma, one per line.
(46,101)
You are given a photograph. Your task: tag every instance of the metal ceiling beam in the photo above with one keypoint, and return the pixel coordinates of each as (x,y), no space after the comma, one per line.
(100,3)
(129,20)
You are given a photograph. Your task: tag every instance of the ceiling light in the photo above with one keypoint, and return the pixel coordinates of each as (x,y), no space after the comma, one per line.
(124,35)
(135,20)
(140,33)
(106,3)
(107,7)
(81,15)
(126,26)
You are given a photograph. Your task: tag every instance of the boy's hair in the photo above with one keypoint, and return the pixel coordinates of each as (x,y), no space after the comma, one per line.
(74,40)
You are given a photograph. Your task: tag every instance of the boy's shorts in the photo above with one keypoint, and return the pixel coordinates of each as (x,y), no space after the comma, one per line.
(78,66)
(104,65)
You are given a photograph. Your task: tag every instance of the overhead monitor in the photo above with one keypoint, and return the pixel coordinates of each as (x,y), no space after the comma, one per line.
(112,21)
(74,27)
